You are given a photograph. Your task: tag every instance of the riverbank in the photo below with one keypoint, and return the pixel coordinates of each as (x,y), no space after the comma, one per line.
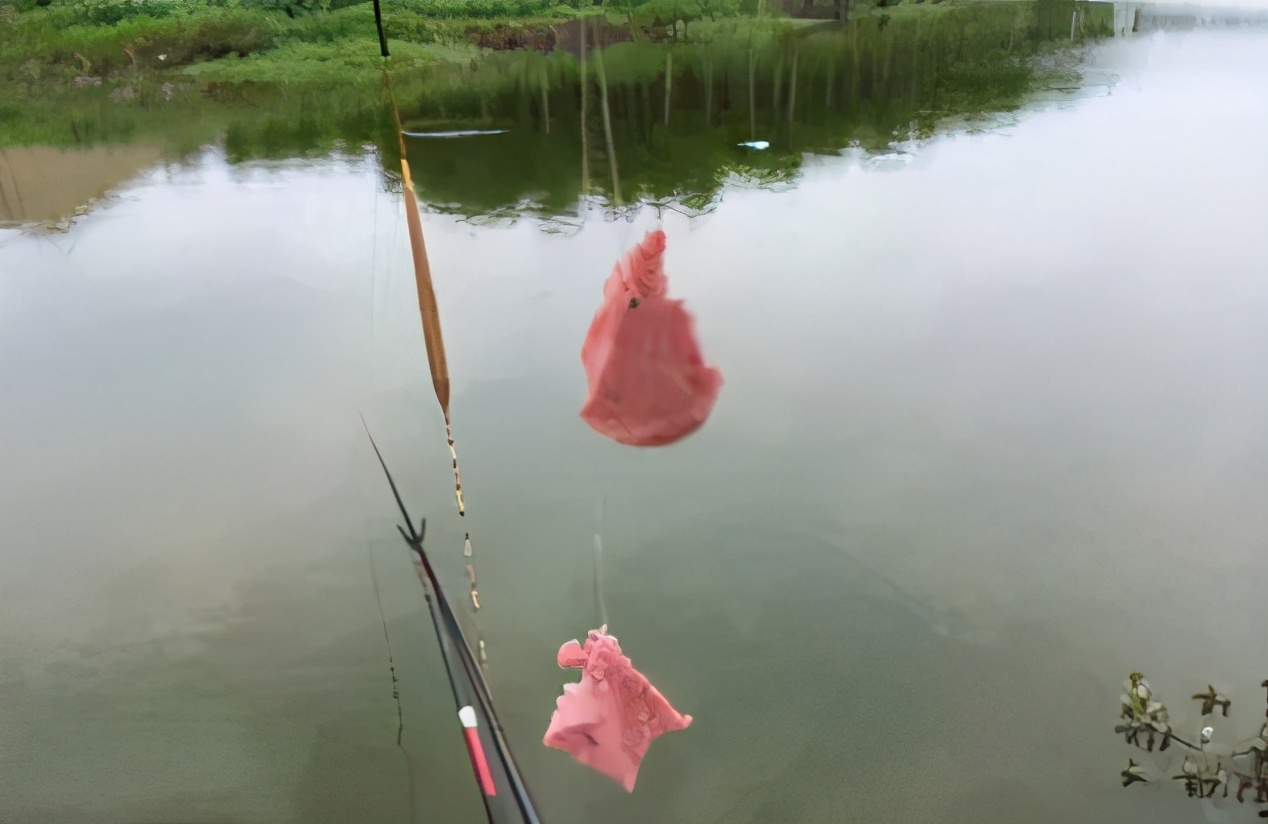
(81,72)
(637,119)
(72,42)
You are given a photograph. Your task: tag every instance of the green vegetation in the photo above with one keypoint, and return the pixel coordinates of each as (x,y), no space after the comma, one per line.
(47,43)
(680,111)
(683,82)
(47,46)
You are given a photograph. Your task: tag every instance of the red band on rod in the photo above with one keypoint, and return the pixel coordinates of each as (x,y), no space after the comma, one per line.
(478,762)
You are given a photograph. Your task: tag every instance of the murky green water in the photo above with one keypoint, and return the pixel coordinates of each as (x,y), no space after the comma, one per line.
(992,434)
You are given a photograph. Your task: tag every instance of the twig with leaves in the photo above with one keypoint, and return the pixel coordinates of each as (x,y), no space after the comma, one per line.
(1206,771)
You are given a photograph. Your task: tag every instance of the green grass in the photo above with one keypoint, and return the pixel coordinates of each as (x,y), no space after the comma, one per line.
(80,72)
(331,63)
(481,9)
(101,38)
(53,44)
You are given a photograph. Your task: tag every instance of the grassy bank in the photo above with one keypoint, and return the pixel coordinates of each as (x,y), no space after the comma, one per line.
(49,44)
(87,71)
(40,46)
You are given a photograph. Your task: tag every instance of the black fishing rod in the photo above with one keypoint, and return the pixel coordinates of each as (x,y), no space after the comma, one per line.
(470,691)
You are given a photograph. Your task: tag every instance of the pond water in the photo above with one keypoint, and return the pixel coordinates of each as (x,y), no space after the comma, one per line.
(992,434)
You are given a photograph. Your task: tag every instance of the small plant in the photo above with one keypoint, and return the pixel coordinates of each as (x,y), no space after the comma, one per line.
(1208,769)
(110,12)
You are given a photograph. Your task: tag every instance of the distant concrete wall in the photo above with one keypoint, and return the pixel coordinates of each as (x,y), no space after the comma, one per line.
(1144,17)
(1125,18)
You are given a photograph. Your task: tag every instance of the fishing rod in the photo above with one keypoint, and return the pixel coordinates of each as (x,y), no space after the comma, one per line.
(470,691)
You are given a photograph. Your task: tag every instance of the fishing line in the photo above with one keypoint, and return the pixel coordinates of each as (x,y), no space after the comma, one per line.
(585,147)
(448,630)
(444,622)
(598,564)
(415,539)
(374,268)
(396,688)
(435,346)
(391,660)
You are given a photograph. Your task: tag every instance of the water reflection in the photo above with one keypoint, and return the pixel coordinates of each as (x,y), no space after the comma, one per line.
(39,184)
(620,120)
(665,121)
(1038,411)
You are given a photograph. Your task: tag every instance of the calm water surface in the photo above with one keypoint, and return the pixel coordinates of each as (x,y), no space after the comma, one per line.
(992,436)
